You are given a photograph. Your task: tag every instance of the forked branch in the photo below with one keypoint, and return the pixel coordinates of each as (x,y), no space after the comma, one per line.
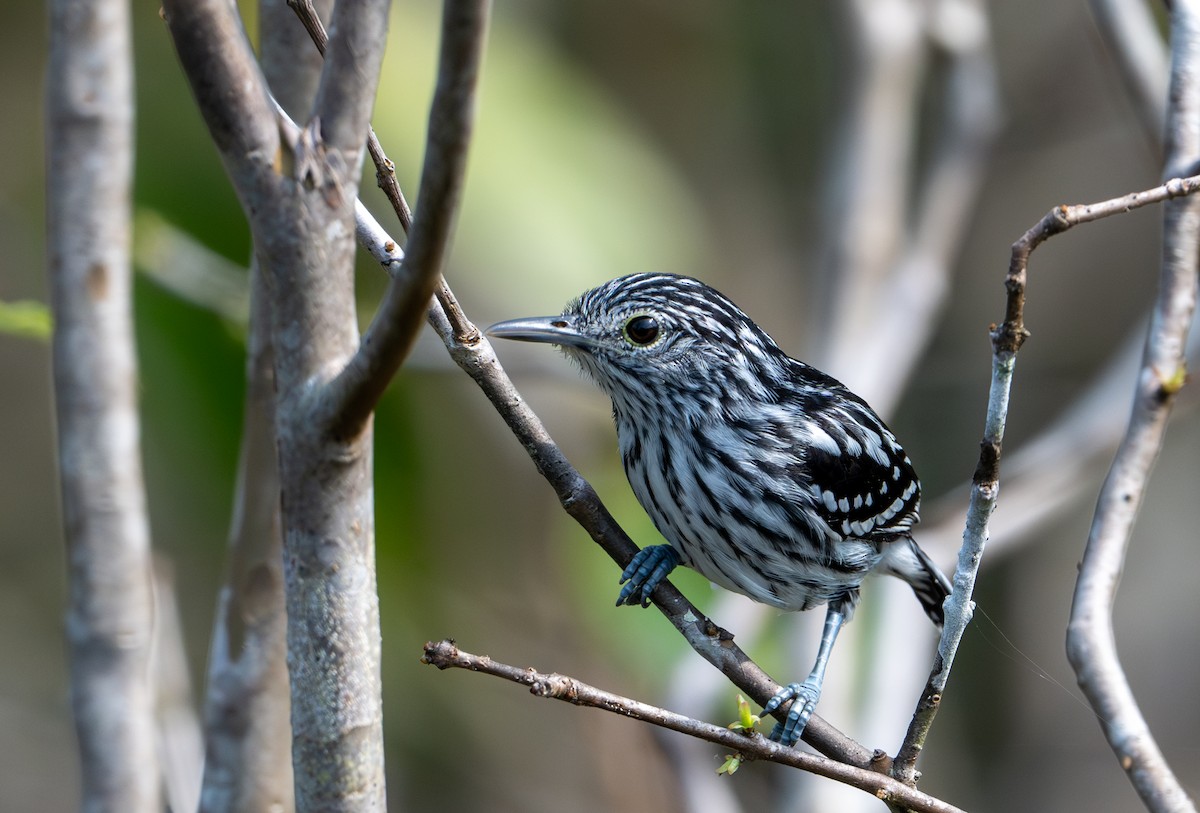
(1007,339)
(388,340)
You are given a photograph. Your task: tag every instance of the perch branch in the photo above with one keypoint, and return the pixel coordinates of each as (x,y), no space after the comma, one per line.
(445,655)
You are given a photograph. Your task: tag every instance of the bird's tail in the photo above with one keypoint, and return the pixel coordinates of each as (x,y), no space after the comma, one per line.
(905,560)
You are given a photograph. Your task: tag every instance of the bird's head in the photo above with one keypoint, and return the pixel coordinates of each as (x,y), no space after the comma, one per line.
(653,336)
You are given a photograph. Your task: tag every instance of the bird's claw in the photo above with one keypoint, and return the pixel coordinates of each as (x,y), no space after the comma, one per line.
(804,697)
(649,567)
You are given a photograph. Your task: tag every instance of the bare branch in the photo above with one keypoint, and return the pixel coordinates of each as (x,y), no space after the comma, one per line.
(1006,341)
(355,50)
(445,655)
(292,69)
(227,84)
(1091,642)
(89,129)
(385,170)
(300,206)
(248,763)
(354,393)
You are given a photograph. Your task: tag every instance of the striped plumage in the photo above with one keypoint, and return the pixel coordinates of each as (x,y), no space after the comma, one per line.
(764,474)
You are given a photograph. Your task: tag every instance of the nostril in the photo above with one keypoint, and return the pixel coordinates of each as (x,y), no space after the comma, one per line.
(559,323)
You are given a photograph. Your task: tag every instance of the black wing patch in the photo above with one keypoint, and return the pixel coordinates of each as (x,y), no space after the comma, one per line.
(858,495)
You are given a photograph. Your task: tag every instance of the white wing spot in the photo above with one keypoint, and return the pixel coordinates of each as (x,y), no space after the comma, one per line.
(829,500)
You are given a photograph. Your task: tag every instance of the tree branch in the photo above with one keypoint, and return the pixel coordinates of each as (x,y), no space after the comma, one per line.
(1006,342)
(388,340)
(299,202)
(1091,642)
(446,655)
(228,87)
(385,170)
(89,110)
(248,763)
(355,50)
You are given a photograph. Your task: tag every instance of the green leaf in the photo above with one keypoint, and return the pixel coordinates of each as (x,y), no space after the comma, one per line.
(730,765)
(747,722)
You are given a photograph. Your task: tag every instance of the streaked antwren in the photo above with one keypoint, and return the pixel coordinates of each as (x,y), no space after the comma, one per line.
(764,474)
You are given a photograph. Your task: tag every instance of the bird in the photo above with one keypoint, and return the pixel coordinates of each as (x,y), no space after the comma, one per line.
(767,476)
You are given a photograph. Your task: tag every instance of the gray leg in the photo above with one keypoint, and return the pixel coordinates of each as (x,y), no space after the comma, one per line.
(805,695)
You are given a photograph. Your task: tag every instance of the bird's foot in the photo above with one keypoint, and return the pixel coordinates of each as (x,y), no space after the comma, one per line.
(649,567)
(804,697)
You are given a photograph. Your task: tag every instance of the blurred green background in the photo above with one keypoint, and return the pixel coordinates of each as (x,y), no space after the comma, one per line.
(613,137)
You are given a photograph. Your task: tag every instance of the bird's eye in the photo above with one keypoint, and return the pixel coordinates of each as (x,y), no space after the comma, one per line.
(641,330)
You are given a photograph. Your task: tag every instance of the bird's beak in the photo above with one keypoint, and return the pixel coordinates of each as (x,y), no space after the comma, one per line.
(558,330)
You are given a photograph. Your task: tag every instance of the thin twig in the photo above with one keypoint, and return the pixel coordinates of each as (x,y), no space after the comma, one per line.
(445,655)
(1007,339)
(1091,641)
